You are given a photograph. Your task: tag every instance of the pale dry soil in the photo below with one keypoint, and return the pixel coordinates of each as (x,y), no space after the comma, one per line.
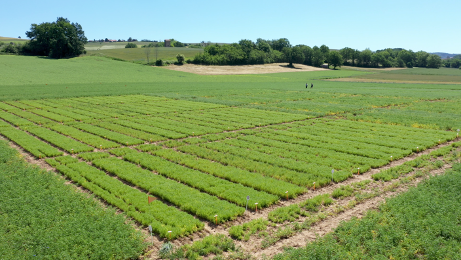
(253,246)
(242,69)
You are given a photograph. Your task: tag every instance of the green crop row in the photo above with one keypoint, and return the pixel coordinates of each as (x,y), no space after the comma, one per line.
(419,162)
(202,121)
(161,217)
(116,137)
(141,124)
(186,198)
(231,173)
(175,126)
(15,120)
(59,140)
(18,104)
(391,130)
(369,138)
(7,107)
(33,117)
(130,131)
(252,166)
(29,143)
(83,137)
(221,188)
(319,174)
(244,231)
(333,159)
(361,149)
(290,160)
(216,120)
(52,116)
(185,127)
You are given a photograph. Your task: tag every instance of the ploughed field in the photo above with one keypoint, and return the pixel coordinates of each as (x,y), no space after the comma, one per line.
(201,160)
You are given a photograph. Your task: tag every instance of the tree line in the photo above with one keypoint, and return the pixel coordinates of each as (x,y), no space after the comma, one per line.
(247,52)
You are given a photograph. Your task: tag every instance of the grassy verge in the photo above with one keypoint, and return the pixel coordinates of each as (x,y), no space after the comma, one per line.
(42,217)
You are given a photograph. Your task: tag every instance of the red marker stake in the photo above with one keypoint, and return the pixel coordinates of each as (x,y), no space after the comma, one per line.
(256,207)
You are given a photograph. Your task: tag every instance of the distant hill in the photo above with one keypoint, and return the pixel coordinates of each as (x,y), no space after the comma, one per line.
(445,55)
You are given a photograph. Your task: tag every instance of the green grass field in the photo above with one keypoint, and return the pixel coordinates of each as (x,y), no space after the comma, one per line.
(138,55)
(14,40)
(213,140)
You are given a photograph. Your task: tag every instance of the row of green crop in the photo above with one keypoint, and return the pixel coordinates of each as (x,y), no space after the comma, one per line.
(218,187)
(7,107)
(331,158)
(204,120)
(281,158)
(231,173)
(403,141)
(83,137)
(132,201)
(419,162)
(52,116)
(143,125)
(182,127)
(400,137)
(33,117)
(15,120)
(29,143)
(146,136)
(18,104)
(61,141)
(114,136)
(254,166)
(186,198)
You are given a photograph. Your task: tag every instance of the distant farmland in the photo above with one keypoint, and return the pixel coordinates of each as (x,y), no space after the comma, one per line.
(118,50)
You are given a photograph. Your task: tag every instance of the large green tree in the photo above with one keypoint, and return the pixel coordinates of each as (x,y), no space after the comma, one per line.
(434,61)
(335,59)
(293,55)
(58,39)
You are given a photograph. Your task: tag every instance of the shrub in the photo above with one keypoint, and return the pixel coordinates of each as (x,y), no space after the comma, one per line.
(180,58)
(159,63)
(131,45)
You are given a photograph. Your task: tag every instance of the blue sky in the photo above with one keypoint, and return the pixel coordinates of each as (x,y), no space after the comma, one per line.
(432,26)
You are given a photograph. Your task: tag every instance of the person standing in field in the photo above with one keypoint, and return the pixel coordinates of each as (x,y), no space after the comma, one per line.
(312,85)
(306,85)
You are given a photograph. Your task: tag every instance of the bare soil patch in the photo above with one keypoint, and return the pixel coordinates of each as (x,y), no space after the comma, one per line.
(242,69)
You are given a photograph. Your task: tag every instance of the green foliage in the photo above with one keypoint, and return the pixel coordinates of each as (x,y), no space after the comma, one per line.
(434,61)
(212,244)
(131,45)
(342,192)
(244,231)
(48,218)
(335,59)
(282,214)
(180,58)
(57,39)
(314,203)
